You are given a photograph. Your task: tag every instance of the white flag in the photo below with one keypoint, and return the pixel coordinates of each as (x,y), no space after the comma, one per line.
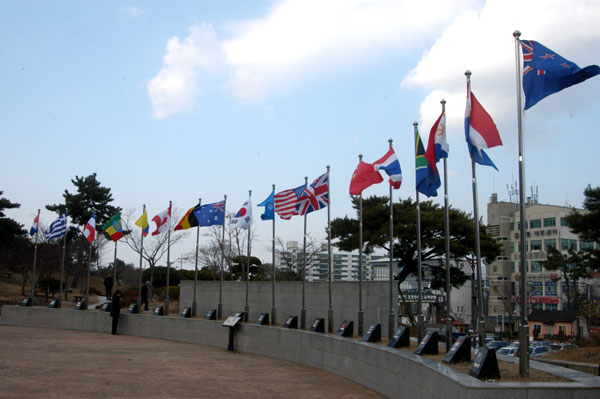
(243,217)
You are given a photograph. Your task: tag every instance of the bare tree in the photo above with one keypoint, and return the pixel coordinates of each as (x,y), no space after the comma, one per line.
(155,247)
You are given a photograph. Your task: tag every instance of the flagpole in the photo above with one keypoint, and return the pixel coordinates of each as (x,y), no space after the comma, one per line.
(273,308)
(360,245)
(220,305)
(447,239)
(114,287)
(37,231)
(139,300)
(329,254)
(62,264)
(481,317)
(194,304)
(246,307)
(391,317)
(168,259)
(87,285)
(420,328)
(303,310)
(524,327)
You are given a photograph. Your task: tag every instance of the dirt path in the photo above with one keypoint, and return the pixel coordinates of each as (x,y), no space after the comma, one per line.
(51,363)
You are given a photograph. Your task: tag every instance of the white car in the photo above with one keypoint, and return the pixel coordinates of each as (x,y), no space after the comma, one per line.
(507,351)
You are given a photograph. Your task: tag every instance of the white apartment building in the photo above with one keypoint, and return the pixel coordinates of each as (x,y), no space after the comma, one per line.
(546,226)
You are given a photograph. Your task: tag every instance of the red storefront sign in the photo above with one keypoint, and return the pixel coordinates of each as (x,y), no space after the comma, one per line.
(539,299)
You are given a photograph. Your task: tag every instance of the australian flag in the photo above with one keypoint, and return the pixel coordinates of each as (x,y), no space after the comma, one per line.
(210,214)
(315,197)
(546,73)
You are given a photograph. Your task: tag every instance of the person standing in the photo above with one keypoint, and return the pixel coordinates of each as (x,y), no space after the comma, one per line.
(145,294)
(115,311)
(108,284)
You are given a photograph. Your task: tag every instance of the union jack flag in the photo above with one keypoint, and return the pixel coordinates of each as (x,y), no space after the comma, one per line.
(315,197)
(285,202)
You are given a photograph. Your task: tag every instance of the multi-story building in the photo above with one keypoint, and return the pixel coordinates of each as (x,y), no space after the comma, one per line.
(345,264)
(546,227)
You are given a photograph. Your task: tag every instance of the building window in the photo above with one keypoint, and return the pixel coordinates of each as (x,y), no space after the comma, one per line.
(549,243)
(563,222)
(512,226)
(537,306)
(562,329)
(512,247)
(549,222)
(535,266)
(535,245)
(538,328)
(551,306)
(512,267)
(586,245)
(566,244)
(535,223)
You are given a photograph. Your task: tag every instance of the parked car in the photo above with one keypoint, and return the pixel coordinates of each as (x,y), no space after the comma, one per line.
(497,344)
(507,351)
(538,350)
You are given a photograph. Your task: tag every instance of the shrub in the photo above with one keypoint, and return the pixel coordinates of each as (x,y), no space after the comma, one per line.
(129,296)
(95,291)
(173,293)
(49,283)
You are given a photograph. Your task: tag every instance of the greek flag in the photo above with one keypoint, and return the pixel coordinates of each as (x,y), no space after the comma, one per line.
(58,228)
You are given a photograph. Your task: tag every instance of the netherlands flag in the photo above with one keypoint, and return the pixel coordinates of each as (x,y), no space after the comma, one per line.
(480,130)
(389,163)
(34,227)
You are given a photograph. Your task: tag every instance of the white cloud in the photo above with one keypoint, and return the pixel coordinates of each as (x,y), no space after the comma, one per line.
(296,40)
(174,88)
(483,43)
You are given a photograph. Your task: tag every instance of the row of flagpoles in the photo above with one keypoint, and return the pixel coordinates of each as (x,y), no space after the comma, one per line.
(544,73)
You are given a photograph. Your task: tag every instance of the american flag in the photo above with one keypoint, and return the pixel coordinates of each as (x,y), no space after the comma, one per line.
(315,197)
(285,202)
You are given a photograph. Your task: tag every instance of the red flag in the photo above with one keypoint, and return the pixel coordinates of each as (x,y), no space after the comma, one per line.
(364,176)
(90,228)
(163,221)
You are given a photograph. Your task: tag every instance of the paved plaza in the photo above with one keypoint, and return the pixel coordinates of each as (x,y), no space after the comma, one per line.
(53,363)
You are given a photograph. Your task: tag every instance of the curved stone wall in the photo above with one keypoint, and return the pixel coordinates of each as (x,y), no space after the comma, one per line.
(390,372)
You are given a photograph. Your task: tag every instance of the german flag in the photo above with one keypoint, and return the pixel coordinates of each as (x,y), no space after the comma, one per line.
(114,228)
(189,220)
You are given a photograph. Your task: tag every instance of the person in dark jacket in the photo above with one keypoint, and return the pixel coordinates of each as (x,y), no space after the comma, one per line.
(108,283)
(145,295)
(115,311)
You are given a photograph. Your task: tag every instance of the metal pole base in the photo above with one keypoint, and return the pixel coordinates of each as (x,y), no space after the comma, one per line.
(246,313)
(524,350)
(273,315)
(138,303)
(219,311)
(420,328)
(361,322)
(167,307)
(448,335)
(391,325)
(194,307)
(330,320)
(303,319)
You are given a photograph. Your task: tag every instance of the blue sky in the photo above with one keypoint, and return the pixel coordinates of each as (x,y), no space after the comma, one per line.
(188,99)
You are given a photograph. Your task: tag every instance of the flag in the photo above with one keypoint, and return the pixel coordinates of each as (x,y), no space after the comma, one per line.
(89,230)
(58,228)
(243,217)
(285,202)
(34,227)
(210,214)
(546,73)
(437,148)
(142,223)
(315,197)
(114,227)
(163,221)
(364,176)
(480,130)
(389,163)
(423,186)
(269,205)
(188,220)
